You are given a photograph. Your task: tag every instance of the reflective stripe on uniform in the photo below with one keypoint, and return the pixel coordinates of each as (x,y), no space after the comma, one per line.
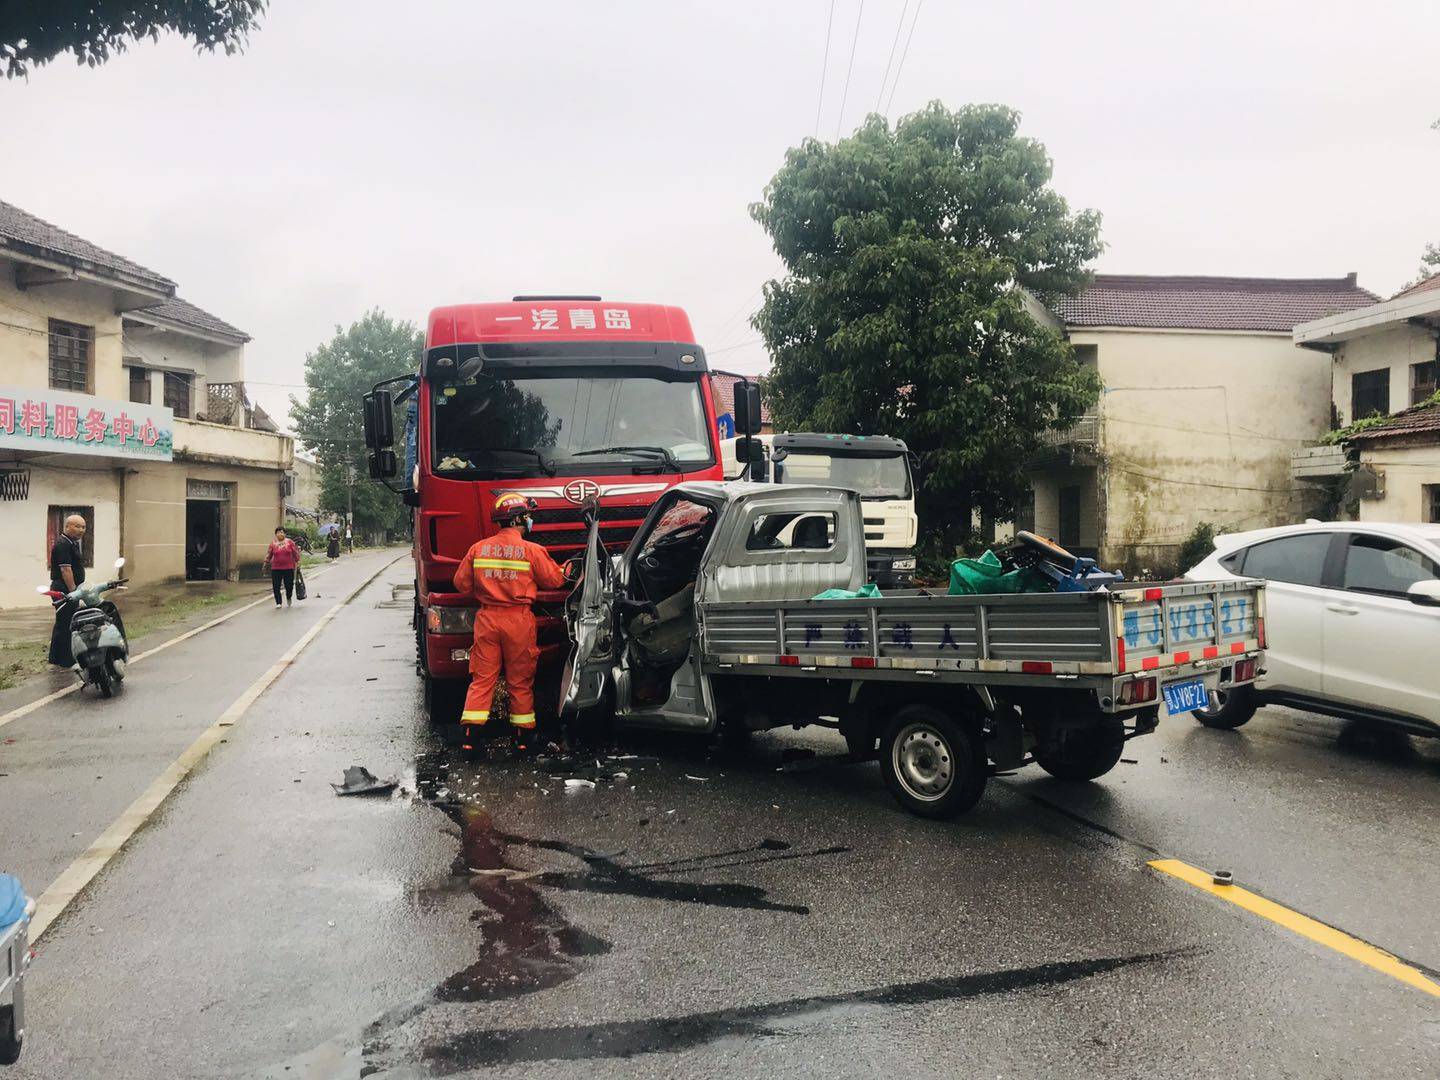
(525,720)
(474,716)
(502,564)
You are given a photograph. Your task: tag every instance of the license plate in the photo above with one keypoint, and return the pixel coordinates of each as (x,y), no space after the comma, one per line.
(1187,696)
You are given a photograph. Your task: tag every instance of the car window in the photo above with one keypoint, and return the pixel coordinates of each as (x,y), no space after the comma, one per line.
(1299,560)
(792,532)
(1377,564)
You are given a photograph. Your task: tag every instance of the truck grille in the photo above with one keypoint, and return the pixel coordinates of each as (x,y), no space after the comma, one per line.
(561,530)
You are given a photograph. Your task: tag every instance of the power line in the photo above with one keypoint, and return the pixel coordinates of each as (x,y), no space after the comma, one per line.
(899,25)
(903,56)
(845,95)
(732,348)
(824,67)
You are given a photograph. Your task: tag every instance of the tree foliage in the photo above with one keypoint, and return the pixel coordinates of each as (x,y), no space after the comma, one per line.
(1429,264)
(900,314)
(34,32)
(330,422)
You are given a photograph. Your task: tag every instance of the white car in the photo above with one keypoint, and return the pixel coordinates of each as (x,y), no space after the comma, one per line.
(1352,621)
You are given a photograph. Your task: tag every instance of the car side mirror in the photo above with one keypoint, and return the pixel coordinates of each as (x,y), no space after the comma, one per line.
(1424,593)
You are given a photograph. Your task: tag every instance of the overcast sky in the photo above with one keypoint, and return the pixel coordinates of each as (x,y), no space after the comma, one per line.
(405,155)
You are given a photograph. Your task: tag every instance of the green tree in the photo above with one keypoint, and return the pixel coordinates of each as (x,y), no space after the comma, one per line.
(330,423)
(900,314)
(35,32)
(1429,264)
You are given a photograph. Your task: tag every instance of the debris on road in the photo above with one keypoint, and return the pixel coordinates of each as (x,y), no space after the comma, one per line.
(361,781)
(689,777)
(1223,877)
(1129,761)
(576,784)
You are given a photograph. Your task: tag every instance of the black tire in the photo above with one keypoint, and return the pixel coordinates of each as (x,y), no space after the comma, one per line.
(11,1041)
(934,766)
(1083,753)
(1237,706)
(101,677)
(444,699)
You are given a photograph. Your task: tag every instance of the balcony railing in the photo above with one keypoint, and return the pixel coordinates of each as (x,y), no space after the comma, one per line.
(1085,432)
(229,404)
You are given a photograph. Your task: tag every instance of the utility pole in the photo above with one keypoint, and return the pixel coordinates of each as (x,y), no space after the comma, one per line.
(350,508)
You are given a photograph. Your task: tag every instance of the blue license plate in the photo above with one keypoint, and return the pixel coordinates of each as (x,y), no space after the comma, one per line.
(1187,696)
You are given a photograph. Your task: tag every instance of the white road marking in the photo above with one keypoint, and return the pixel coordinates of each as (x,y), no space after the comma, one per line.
(64,889)
(26,710)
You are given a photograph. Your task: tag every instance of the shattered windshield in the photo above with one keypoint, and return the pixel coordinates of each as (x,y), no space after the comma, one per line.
(568,422)
(872,477)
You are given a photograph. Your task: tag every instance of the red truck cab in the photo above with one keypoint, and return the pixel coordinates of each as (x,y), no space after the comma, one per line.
(564,400)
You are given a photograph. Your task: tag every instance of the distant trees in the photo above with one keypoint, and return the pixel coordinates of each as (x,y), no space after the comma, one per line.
(34,32)
(329,421)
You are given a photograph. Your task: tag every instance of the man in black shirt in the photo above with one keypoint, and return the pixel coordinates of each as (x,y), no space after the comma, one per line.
(67,573)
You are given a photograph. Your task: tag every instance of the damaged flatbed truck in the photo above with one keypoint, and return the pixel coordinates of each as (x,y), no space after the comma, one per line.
(706,622)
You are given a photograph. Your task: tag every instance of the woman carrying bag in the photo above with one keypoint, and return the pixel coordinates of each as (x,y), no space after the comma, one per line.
(282,559)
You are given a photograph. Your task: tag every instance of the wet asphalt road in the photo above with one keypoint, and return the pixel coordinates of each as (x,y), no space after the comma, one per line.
(704,915)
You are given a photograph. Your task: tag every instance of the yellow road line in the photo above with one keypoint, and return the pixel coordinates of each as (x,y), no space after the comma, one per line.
(1303,925)
(26,710)
(64,889)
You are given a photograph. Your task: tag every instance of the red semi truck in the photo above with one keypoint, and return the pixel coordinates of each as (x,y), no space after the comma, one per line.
(565,399)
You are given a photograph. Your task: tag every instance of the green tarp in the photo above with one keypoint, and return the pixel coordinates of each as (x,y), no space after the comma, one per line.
(870,591)
(973,577)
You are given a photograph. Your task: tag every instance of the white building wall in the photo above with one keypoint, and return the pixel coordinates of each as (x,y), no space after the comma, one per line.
(1408,471)
(1396,348)
(23,528)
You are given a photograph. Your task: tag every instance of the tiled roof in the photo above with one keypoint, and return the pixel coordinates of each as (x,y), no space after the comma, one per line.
(1417,420)
(19,229)
(184,313)
(1211,303)
(1423,285)
(725,396)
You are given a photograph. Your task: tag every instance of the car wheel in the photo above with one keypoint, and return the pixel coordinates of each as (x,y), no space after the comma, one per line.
(11,1041)
(934,766)
(1236,707)
(1083,753)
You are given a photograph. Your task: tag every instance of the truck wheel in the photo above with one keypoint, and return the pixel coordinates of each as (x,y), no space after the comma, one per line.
(10,1039)
(933,765)
(444,699)
(1087,752)
(1237,706)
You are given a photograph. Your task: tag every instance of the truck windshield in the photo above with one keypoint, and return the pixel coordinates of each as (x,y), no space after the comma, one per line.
(503,421)
(872,477)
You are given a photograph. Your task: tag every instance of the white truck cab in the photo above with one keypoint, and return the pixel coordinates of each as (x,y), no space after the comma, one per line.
(875,466)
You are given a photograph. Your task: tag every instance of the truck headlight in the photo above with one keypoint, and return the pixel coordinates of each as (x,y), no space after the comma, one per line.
(450,620)
(902,564)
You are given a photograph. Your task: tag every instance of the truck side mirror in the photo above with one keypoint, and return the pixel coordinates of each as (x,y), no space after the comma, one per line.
(379,421)
(747,409)
(383,464)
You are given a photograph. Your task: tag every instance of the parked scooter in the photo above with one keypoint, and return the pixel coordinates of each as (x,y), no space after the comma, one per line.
(97,633)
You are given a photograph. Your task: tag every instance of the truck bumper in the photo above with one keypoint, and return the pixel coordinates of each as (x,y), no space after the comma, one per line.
(447,656)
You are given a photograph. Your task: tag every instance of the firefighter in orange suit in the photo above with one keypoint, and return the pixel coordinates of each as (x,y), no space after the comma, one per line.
(502,572)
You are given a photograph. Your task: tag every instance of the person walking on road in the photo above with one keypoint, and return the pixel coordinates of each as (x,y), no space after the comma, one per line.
(281,559)
(332,546)
(67,573)
(502,572)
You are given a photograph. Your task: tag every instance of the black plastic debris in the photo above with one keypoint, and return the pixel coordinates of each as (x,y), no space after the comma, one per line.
(361,781)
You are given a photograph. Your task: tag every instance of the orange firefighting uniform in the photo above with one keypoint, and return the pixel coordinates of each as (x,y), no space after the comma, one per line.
(502,572)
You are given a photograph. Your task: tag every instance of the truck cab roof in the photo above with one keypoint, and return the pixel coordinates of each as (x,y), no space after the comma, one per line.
(865,445)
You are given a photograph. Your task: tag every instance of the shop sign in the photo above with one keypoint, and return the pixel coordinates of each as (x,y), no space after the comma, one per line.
(56,421)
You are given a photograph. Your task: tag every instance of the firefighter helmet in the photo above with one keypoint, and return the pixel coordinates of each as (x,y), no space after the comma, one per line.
(510,506)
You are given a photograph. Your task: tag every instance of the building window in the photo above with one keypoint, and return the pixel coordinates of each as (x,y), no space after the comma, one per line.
(1424,380)
(1370,393)
(70,353)
(140,385)
(55,525)
(177,393)
(1430,502)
